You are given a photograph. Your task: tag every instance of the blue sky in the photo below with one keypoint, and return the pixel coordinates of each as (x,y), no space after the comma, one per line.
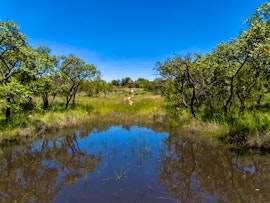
(127,37)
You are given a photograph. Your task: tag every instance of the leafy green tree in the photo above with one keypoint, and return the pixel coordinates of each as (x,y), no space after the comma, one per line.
(158,85)
(102,86)
(16,61)
(44,84)
(246,56)
(233,75)
(74,71)
(256,44)
(144,83)
(115,83)
(88,87)
(16,93)
(183,81)
(126,82)
(97,87)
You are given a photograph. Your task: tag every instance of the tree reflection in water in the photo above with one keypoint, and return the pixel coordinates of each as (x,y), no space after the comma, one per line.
(136,166)
(36,172)
(196,172)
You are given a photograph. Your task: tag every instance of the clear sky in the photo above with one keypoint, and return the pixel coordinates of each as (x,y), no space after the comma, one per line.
(127,37)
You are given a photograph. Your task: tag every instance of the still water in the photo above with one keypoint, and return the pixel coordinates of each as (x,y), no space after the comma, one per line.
(133,164)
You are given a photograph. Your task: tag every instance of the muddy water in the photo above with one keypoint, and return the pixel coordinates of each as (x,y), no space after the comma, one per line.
(131,164)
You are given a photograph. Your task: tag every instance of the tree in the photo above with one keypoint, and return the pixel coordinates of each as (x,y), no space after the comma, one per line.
(126,82)
(115,83)
(223,80)
(88,87)
(16,60)
(143,83)
(16,93)
(102,86)
(247,56)
(73,71)
(256,44)
(183,82)
(158,85)
(44,84)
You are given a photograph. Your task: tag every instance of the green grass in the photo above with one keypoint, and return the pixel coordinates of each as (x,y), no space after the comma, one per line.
(251,122)
(251,128)
(109,110)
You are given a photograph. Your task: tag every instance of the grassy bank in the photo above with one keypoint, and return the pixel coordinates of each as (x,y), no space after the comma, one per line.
(112,109)
(248,131)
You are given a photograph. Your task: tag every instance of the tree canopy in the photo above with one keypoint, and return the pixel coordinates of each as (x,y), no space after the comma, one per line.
(230,79)
(26,72)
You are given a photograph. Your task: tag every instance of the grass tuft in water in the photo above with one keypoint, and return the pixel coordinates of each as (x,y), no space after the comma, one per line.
(121,174)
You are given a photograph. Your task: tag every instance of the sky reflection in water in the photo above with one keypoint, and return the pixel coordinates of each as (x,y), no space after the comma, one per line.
(129,165)
(128,168)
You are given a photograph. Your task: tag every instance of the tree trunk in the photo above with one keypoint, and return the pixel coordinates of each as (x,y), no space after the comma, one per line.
(68,98)
(8,109)
(75,89)
(242,101)
(73,99)
(192,102)
(258,102)
(45,102)
(230,98)
(183,97)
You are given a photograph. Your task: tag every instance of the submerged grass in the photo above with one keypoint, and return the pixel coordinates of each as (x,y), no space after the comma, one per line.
(121,174)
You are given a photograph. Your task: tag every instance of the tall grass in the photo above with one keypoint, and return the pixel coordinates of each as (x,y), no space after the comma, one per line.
(251,122)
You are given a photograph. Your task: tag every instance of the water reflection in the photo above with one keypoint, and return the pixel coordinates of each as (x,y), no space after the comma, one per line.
(127,172)
(197,172)
(36,172)
(131,164)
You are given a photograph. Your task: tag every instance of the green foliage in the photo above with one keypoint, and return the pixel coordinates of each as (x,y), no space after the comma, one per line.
(115,83)
(252,122)
(230,84)
(144,83)
(43,85)
(97,87)
(229,81)
(127,82)
(26,72)
(17,94)
(158,86)
(73,71)
(18,67)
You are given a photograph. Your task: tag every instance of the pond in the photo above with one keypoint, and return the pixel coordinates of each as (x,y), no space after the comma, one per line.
(131,164)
